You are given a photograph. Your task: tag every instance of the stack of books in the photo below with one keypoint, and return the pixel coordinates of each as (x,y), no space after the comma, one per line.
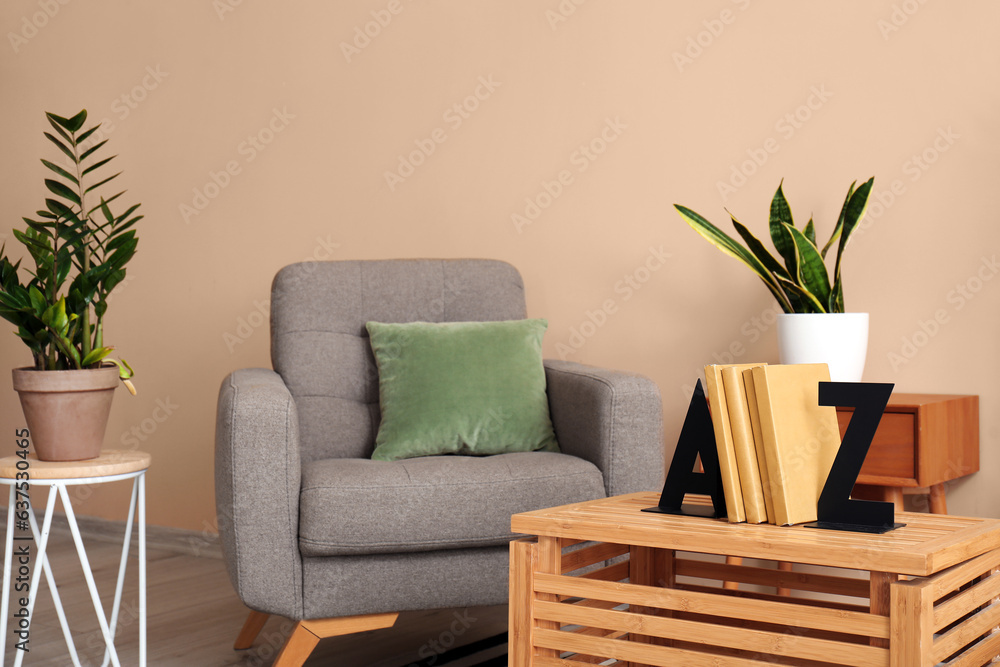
(776,443)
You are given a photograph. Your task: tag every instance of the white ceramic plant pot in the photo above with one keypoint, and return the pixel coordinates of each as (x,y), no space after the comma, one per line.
(839,340)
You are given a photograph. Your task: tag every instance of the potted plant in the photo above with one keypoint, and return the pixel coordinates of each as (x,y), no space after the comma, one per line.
(79,248)
(814,326)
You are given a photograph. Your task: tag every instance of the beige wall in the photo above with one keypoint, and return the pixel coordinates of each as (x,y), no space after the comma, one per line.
(818,93)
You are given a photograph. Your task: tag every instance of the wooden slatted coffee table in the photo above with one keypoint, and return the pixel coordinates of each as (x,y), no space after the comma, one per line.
(603,583)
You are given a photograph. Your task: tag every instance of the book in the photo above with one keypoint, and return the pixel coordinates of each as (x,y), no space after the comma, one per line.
(731,488)
(743,443)
(758,441)
(800,436)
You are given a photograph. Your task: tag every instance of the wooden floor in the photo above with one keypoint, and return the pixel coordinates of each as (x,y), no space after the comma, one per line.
(193,617)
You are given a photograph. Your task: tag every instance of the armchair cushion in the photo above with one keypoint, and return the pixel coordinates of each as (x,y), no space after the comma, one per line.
(359,506)
(460,388)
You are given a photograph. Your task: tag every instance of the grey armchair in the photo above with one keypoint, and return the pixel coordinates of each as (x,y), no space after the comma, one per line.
(312,529)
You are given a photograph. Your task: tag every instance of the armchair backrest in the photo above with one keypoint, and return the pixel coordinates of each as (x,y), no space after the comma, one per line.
(319,344)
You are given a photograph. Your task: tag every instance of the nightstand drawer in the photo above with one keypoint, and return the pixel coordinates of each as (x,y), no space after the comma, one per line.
(893,451)
(922,440)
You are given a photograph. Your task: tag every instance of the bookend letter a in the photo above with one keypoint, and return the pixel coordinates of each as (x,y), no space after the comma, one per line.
(697,438)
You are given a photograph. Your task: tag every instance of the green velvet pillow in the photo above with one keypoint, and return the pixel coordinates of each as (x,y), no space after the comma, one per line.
(472,388)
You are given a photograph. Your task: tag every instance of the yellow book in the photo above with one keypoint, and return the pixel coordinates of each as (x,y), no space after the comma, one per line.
(758,443)
(715,391)
(743,444)
(801,437)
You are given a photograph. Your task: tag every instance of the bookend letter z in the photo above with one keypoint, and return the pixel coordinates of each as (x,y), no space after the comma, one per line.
(697,438)
(836,510)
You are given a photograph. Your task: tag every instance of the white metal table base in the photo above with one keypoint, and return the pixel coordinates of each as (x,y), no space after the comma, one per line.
(137,505)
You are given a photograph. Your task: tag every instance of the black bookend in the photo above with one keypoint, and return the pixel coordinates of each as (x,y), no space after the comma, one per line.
(697,438)
(836,510)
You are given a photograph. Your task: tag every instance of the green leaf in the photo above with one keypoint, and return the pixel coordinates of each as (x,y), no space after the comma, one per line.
(855,210)
(112,280)
(86,135)
(42,228)
(124,370)
(835,236)
(810,231)
(95,355)
(60,321)
(58,188)
(723,242)
(62,133)
(71,124)
(105,201)
(812,275)
(98,165)
(837,297)
(77,121)
(805,301)
(48,316)
(121,239)
(38,303)
(120,223)
(66,347)
(97,185)
(60,209)
(62,172)
(780,215)
(63,266)
(90,150)
(758,249)
(62,147)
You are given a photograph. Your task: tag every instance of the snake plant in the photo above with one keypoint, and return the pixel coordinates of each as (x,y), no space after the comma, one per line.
(803,284)
(79,248)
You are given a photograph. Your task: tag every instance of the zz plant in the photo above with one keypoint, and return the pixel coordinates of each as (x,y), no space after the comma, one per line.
(803,284)
(79,247)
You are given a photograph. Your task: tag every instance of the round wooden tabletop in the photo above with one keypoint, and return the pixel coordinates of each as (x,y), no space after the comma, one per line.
(110,462)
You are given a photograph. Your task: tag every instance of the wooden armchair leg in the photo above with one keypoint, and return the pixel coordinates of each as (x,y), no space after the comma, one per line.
(251,628)
(307,634)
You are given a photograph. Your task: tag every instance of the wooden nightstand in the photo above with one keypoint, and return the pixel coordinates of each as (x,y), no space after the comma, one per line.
(923,441)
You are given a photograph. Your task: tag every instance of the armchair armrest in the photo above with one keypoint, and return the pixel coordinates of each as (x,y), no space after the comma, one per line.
(610,418)
(257,480)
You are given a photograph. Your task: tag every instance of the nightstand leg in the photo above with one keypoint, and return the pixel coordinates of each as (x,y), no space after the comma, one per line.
(938,503)
(894,495)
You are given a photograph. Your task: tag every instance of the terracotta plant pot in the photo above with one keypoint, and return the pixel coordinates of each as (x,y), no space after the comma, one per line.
(67,411)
